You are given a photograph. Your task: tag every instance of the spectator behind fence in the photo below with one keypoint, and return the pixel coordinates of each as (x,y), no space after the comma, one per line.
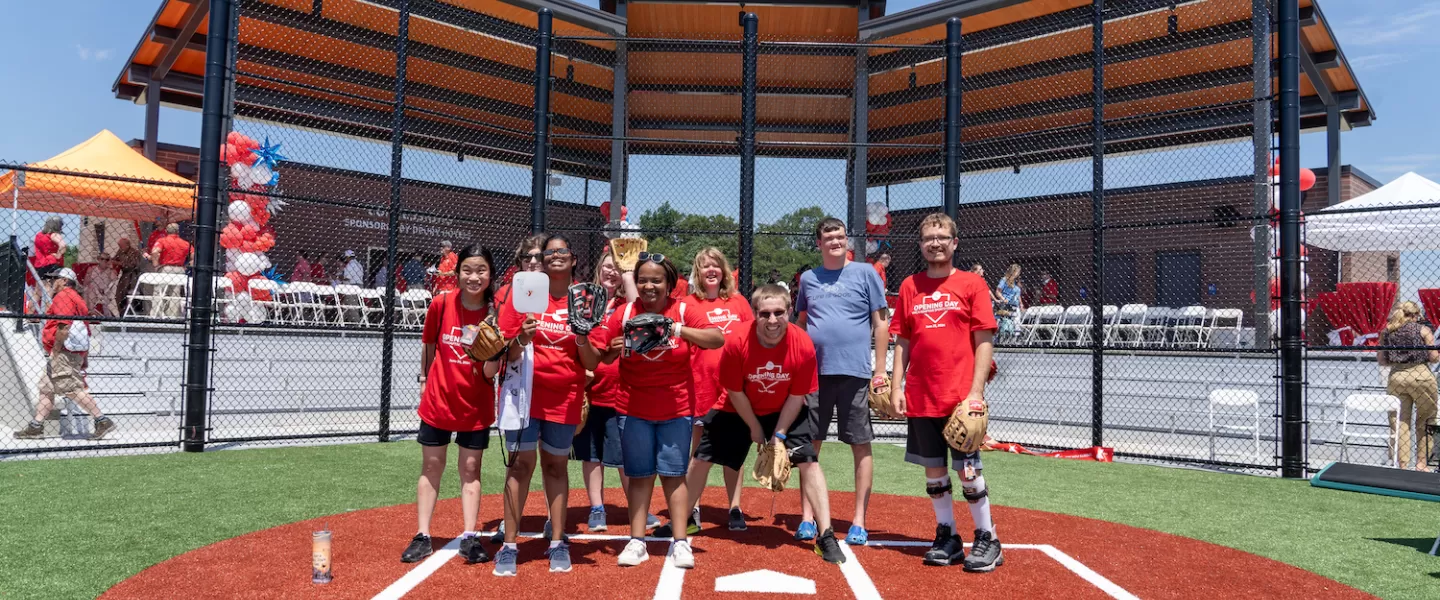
(882,262)
(979,269)
(445,275)
(354,273)
(1049,290)
(1009,302)
(1410,380)
(170,253)
(303,270)
(65,370)
(100,286)
(413,272)
(49,251)
(128,259)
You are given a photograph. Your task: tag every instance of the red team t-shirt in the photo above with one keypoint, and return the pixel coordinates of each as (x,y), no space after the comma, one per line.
(731,315)
(559,377)
(768,376)
(457,396)
(937,316)
(605,386)
(658,385)
(66,303)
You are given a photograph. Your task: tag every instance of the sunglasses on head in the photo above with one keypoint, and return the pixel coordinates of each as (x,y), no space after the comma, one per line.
(767,314)
(654,257)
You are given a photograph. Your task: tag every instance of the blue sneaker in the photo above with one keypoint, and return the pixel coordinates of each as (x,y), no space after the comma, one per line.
(651,522)
(505,562)
(807,531)
(857,536)
(559,558)
(596,523)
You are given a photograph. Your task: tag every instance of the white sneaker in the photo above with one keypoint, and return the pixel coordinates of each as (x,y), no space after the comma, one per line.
(635,553)
(681,555)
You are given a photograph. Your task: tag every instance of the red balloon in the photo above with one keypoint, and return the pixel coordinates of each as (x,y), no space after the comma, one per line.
(605,210)
(1307,179)
(624,213)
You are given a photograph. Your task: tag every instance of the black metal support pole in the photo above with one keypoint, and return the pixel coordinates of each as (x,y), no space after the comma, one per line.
(392,237)
(152,119)
(540,169)
(749,59)
(952,117)
(202,289)
(1291,352)
(1332,155)
(1097,228)
(1262,121)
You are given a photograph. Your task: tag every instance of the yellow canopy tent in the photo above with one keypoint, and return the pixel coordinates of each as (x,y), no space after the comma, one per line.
(109,179)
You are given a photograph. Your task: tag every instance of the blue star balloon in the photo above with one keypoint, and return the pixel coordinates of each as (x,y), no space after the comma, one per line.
(269,154)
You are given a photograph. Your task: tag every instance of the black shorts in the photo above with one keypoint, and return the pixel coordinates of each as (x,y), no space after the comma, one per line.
(599,441)
(845,398)
(430,435)
(726,439)
(925,445)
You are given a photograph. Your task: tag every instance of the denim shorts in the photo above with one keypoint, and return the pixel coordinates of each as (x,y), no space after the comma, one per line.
(553,438)
(599,441)
(651,447)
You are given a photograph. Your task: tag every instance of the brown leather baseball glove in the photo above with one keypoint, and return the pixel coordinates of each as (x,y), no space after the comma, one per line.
(965,431)
(772,468)
(879,398)
(627,252)
(488,344)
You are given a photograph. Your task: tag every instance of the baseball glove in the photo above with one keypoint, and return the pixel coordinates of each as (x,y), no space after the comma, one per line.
(772,468)
(587,307)
(965,430)
(647,332)
(879,397)
(584,413)
(488,344)
(627,252)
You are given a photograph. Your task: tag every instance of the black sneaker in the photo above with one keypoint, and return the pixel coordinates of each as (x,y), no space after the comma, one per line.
(499,537)
(947,550)
(828,548)
(691,528)
(418,549)
(737,520)
(985,554)
(473,551)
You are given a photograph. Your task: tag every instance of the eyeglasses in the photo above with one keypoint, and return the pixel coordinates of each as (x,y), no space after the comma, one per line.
(534,256)
(768,314)
(557,252)
(654,257)
(935,239)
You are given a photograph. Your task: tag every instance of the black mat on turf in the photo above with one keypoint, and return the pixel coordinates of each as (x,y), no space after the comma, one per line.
(1415,482)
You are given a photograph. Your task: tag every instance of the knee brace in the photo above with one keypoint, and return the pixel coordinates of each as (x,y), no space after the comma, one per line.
(937,489)
(974,490)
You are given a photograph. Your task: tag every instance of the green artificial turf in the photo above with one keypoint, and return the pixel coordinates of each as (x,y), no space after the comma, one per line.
(73,528)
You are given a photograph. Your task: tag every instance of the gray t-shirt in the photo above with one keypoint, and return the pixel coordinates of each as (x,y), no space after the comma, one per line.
(838,304)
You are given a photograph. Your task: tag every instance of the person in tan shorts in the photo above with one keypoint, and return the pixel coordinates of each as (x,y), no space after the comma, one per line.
(65,371)
(1410,379)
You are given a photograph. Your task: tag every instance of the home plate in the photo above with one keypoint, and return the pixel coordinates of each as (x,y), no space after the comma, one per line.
(765,581)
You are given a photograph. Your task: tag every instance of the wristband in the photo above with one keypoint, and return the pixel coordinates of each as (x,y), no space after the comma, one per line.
(419,379)
(779,435)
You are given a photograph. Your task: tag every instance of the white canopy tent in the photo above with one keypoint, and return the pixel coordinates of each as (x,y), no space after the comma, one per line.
(1399,216)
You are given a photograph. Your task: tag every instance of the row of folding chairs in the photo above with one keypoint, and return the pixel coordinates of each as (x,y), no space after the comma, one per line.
(1361,416)
(304,303)
(1132,325)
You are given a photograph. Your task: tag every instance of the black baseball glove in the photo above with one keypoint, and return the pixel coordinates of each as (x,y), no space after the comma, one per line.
(647,332)
(587,307)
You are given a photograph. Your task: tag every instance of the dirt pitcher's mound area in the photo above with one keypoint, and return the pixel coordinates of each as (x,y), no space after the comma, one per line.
(1046,556)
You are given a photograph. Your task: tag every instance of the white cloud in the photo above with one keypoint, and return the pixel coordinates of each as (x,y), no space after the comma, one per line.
(1399,27)
(103,54)
(83,52)
(1378,61)
(1404,163)
(93,54)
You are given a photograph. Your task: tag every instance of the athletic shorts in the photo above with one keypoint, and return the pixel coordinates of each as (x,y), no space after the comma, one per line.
(599,441)
(431,435)
(726,440)
(553,438)
(925,445)
(651,447)
(844,397)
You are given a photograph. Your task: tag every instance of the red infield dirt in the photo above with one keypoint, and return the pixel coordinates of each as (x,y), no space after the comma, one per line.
(1047,555)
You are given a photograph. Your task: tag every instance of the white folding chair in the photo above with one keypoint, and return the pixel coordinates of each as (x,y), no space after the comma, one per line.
(1127,326)
(1354,425)
(1190,326)
(1156,328)
(271,306)
(224,294)
(326,299)
(1235,410)
(1044,320)
(1229,321)
(1074,326)
(372,302)
(349,305)
(413,305)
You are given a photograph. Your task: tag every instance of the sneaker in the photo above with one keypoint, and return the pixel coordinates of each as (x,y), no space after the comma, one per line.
(499,537)
(103,425)
(681,555)
(505,561)
(596,523)
(985,555)
(559,558)
(418,549)
(652,522)
(32,431)
(546,530)
(857,536)
(806,532)
(948,549)
(737,520)
(472,551)
(828,548)
(634,553)
(691,528)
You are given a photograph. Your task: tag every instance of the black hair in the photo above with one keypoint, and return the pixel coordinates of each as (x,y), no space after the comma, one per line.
(471,251)
(574,260)
(672,275)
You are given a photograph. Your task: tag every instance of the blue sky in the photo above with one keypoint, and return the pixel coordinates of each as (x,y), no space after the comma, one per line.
(59,95)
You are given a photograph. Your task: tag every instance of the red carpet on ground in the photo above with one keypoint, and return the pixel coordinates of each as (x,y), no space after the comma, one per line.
(275,563)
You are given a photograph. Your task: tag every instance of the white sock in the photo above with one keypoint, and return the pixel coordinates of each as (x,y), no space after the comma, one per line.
(509,546)
(468,534)
(555,544)
(944,505)
(980,510)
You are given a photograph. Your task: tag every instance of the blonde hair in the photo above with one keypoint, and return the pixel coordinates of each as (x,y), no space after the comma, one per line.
(768,291)
(1012,272)
(940,220)
(1406,312)
(727,279)
(604,254)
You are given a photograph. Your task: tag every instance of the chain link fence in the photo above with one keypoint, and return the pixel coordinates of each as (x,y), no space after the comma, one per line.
(1128,235)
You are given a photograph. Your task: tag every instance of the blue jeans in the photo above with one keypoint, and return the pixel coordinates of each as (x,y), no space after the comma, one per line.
(652,447)
(553,438)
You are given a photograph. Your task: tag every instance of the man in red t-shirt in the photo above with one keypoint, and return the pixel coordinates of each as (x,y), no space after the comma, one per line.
(170,253)
(1049,290)
(944,327)
(881,263)
(65,371)
(767,370)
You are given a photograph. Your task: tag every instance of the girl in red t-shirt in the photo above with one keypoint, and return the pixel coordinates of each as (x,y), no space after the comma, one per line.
(49,248)
(716,297)
(656,393)
(457,400)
